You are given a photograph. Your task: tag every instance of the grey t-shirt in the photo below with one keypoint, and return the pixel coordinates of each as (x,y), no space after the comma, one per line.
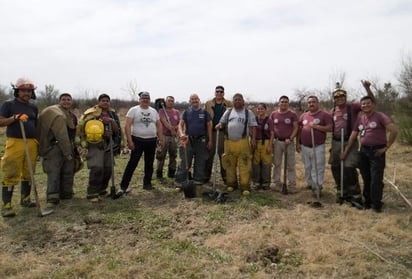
(235,121)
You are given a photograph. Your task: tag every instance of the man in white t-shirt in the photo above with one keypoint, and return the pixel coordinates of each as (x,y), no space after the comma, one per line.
(143,131)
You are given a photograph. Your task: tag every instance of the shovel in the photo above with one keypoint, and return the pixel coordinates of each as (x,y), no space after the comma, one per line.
(41,212)
(285,170)
(113,187)
(189,189)
(341,200)
(214,195)
(317,203)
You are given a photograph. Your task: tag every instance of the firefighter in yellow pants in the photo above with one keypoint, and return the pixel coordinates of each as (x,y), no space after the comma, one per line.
(238,153)
(14,162)
(239,123)
(262,155)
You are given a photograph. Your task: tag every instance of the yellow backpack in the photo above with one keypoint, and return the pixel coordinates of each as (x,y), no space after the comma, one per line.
(94,130)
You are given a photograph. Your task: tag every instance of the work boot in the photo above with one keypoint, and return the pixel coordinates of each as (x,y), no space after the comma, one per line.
(171,173)
(7,210)
(25,190)
(148,186)
(51,205)
(27,202)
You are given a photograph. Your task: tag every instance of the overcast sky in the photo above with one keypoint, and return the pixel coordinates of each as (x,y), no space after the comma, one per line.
(261,48)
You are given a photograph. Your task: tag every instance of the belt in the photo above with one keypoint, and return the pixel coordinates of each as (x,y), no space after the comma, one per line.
(197,137)
(282,139)
(312,145)
(374,147)
(338,139)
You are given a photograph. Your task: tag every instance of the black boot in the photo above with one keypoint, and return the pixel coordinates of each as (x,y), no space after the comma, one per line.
(7,210)
(25,190)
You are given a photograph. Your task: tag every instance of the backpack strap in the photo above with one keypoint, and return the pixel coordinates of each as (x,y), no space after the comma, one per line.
(246,121)
(262,129)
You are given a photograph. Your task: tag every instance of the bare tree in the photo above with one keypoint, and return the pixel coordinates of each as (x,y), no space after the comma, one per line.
(48,96)
(132,88)
(405,77)
(5,94)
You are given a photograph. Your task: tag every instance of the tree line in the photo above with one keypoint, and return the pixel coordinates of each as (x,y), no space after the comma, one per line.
(394,100)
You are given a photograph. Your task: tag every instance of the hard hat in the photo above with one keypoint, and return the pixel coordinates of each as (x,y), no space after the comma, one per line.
(24,83)
(94,130)
(338,92)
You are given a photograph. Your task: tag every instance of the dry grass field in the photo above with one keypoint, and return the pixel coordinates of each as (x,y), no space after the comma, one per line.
(159,234)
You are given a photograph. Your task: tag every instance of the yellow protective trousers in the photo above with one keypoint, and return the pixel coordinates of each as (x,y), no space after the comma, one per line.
(261,155)
(14,162)
(237,154)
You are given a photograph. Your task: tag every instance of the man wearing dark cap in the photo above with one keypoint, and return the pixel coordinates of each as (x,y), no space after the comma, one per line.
(96,126)
(344,116)
(216,107)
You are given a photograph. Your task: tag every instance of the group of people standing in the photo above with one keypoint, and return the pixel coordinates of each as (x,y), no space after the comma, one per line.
(250,147)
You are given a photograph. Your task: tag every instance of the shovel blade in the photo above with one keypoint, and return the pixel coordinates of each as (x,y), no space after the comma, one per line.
(45,212)
(189,189)
(284,189)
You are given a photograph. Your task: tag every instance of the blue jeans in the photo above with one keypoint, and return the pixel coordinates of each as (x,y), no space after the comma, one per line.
(372,168)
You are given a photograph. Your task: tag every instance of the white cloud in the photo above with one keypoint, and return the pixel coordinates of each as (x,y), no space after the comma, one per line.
(260,48)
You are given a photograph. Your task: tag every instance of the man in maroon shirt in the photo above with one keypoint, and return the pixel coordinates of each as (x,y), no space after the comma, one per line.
(344,116)
(285,125)
(372,127)
(321,123)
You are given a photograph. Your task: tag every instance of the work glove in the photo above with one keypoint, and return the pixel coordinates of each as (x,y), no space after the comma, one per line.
(21,116)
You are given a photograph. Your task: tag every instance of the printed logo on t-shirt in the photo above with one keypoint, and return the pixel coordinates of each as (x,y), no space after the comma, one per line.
(373,124)
(345,116)
(266,126)
(275,121)
(201,116)
(287,120)
(316,121)
(175,117)
(146,119)
(304,122)
(360,127)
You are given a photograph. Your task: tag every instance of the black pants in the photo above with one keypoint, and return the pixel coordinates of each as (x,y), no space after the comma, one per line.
(146,146)
(372,169)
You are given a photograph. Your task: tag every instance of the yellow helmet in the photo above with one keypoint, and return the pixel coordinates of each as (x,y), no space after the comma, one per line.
(339,92)
(94,131)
